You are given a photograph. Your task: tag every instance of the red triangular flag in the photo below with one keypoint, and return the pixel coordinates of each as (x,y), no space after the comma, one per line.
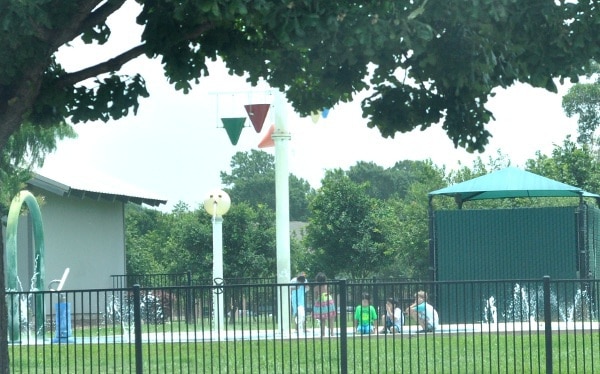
(234,127)
(257,114)
(267,141)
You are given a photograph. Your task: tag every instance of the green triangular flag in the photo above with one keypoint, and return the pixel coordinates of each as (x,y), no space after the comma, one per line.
(234,127)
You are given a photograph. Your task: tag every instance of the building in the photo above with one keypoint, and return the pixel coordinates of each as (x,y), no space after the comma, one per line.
(84,230)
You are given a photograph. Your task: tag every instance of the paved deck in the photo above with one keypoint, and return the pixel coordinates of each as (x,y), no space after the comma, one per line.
(313,333)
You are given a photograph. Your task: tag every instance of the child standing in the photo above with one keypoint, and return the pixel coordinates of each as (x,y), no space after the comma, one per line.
(324,306)
(365,316)
(297,296)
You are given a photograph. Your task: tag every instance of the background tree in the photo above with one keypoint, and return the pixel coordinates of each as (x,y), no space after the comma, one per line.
(407,225)
(252,180)
(173,242)
(382,183)
(379,183)
(302,257)
(249,242)
(342,230)
(570,163)
(583,100)
(181,241)
(25,150)
(143,240)
(248,165)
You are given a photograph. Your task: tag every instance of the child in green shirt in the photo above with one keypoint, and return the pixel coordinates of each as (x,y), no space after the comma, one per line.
(365,316)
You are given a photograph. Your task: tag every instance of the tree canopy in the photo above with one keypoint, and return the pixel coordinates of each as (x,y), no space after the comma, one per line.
(427,61)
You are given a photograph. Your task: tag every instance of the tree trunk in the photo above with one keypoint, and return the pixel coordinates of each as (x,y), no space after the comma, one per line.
(4,364)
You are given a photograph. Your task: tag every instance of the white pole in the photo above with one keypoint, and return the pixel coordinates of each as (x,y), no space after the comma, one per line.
(216,204)
(281,138)
(218,272)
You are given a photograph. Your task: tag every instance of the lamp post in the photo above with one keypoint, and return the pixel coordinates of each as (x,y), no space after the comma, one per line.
(216,204)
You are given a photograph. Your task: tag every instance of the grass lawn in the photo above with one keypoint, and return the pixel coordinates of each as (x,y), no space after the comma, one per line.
(428,353)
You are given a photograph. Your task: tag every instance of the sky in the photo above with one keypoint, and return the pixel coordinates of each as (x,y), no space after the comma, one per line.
(176,146)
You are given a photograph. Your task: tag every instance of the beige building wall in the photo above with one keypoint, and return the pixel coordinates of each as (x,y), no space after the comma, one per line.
(85,235)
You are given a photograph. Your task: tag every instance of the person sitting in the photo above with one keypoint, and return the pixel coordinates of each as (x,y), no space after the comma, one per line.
(365,316)
(423,312)
(394,318)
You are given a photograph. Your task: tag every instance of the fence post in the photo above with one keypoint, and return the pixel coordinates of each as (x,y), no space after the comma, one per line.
(137,323)
(548,324)
(375,294)
(188,298)
(343,292)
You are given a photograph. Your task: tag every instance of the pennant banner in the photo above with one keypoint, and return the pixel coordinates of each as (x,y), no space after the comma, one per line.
(234,127)
(257,114)
(315,116)
(267,141)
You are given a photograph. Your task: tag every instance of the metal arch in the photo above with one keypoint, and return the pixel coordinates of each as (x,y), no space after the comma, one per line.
(11,255)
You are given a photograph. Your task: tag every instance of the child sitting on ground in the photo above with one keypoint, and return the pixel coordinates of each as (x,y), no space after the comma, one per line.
(394,318)
(424,313)
(365,316)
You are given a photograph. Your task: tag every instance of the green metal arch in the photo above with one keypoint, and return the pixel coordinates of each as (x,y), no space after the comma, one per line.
(11,253)
(11,238)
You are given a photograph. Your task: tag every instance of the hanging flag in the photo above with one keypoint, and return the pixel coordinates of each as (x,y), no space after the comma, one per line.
(325,112)
(267,141)
(315,116)
(257,114)
(234,127)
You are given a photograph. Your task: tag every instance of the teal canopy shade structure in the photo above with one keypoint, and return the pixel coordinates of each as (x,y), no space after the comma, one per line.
(515,243)
(234,127)
(510,182)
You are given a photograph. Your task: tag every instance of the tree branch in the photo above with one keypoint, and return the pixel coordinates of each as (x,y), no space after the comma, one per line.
(113,64)
(117,62)
(85,18)
(100,14)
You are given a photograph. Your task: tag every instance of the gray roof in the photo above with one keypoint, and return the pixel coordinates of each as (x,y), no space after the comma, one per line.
(86,186)
(509,183)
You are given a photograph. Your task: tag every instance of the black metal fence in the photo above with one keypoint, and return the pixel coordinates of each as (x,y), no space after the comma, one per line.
(525,326)
(179,279)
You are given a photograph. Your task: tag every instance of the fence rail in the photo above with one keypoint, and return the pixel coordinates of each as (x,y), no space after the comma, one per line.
(528,326)
(178,279)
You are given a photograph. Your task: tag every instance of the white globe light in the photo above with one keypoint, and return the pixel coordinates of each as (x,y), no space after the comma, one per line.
(217,203)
